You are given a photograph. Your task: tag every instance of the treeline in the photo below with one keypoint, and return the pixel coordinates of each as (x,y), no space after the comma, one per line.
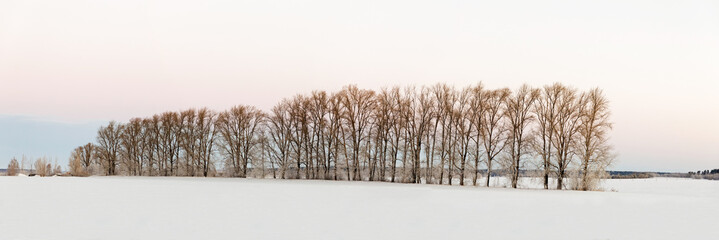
(438,134)
(41,167)
(631,175)
(706,174)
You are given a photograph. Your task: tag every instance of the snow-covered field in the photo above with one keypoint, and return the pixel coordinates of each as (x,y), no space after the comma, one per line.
(221,208)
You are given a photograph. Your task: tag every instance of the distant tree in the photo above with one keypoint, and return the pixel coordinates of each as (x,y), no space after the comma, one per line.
(75,164)
(81,160)
(13,167)
(42,168)
(87,155)
(24,163)
(57,170)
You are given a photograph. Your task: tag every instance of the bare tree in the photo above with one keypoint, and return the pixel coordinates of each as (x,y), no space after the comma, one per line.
(384,120)
(87,154)
(546,112)
(149,150)
(75,164)
(335,140)
(419,118)
(323,131)
(197,136)
(24,162)
(169,129)
(595,151)
(205,139)
(238,129)
(266,150)
(431,138)
(357,107)
(48,170)
(280,130)
(398,126)
(188,136)
(477,111)
(57,169)
(519,116)
(494,133)
(569,113)
(108,147)
(131,144)
(465,129)
(13,167)
(81,160)
(41,167)
(445,99)
(300,132)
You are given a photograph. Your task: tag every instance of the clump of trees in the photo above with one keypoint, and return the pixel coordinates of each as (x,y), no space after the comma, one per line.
(706,174)
(40,167)
(432,134)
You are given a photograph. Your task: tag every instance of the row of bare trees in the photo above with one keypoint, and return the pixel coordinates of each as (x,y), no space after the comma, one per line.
(168,144)
(41,167)
(438,134)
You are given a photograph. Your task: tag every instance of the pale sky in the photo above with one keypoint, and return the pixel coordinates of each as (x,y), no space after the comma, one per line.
(77,64)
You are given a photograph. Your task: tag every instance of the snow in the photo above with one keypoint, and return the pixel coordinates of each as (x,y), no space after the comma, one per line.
(222,208)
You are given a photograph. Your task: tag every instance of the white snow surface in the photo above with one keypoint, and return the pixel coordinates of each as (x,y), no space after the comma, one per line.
(223,208)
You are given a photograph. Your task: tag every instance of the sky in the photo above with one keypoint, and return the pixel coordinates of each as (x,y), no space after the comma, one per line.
(67,67)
